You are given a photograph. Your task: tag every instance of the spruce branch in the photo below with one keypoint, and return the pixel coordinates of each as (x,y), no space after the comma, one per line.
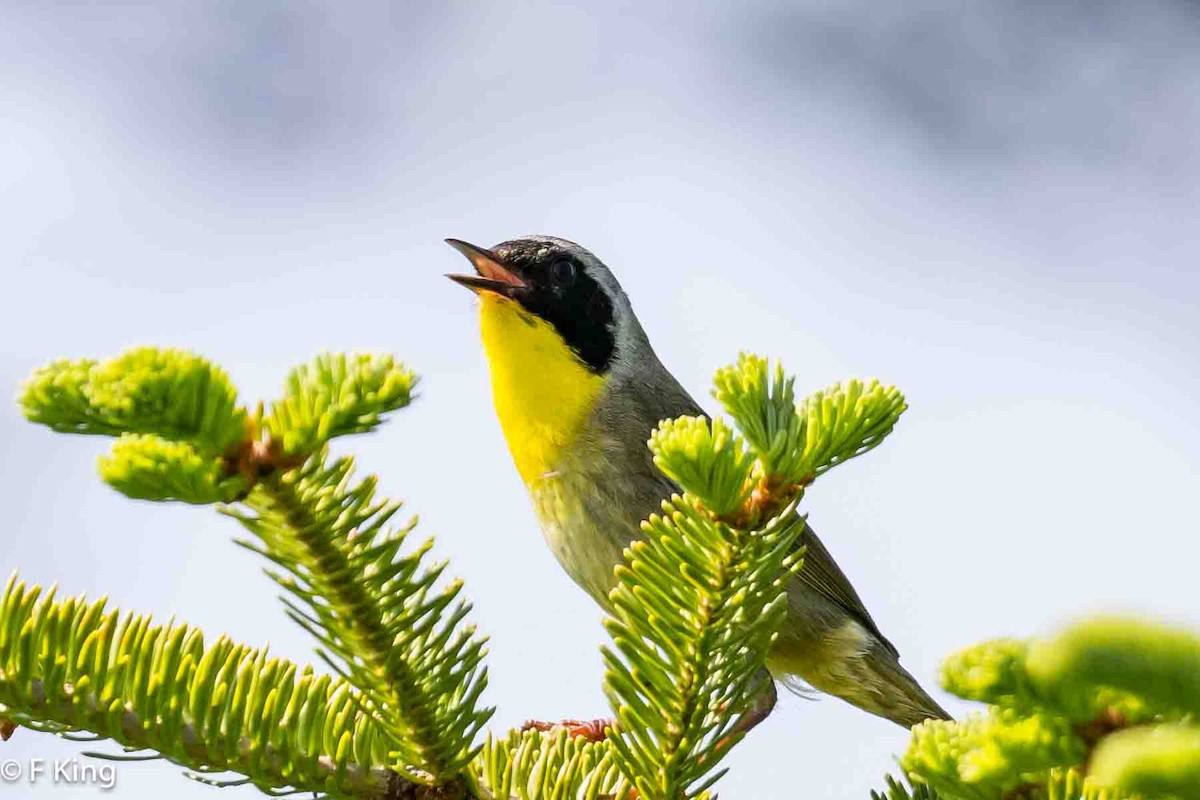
(695,610)
(1070,784)
(998,672)
(161,691)
(337,394)
(847,420)
(763,404)
(170,393)
(380,616)
(898,791)
(699,601)
(1160,664)
(708,458)
(986,755)
(70,665)
(148,467)
(1154,761)
(991,672)
(797,442)
(378,613)
(1103,710)
(192,439)
(532,765)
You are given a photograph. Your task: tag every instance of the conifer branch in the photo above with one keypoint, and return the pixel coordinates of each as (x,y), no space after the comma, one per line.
(1152,761)
(986,755)
(898,791)
(337,394)
(797,442)
(381,619)
(169,393)
(1160,664)
(694,613)
(378,615)
(70,665)
(1102,711)
(148,467)
(532,765)
(700,599)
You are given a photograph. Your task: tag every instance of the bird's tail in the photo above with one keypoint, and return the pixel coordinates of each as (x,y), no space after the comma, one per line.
(871,679)
(895,694)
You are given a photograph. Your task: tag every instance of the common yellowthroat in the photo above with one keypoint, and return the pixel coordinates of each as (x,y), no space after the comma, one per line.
(578,390)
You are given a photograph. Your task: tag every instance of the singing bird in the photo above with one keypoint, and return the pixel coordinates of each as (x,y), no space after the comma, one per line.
(578,389)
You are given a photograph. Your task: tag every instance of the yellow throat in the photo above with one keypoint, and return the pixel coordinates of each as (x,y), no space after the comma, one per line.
(543,392)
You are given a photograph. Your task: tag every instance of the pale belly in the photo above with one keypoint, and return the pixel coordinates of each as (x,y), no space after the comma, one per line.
(586,535)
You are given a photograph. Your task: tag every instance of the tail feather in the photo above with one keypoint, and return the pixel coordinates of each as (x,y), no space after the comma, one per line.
(800,687)
(895,694)
(852,665)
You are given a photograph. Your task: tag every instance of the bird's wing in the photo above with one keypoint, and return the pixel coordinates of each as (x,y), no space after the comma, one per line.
(821,573)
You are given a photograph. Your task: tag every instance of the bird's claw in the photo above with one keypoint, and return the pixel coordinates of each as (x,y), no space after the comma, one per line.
(595,730)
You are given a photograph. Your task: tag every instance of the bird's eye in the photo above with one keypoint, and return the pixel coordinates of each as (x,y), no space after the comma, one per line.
(562,273)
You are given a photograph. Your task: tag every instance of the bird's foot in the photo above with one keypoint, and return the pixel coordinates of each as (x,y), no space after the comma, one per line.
(761,708)
(595,730)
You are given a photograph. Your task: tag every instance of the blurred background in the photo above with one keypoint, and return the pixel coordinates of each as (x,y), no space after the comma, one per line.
(992,205)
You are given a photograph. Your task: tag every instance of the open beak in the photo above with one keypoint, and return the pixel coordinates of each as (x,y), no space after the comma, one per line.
(491,275)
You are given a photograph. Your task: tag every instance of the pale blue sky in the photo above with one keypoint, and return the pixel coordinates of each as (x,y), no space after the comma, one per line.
(995,210)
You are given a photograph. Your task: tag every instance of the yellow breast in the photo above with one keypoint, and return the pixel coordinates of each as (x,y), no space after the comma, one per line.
(542,391)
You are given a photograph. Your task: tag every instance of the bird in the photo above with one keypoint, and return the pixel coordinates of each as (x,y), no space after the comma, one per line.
(578,389)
